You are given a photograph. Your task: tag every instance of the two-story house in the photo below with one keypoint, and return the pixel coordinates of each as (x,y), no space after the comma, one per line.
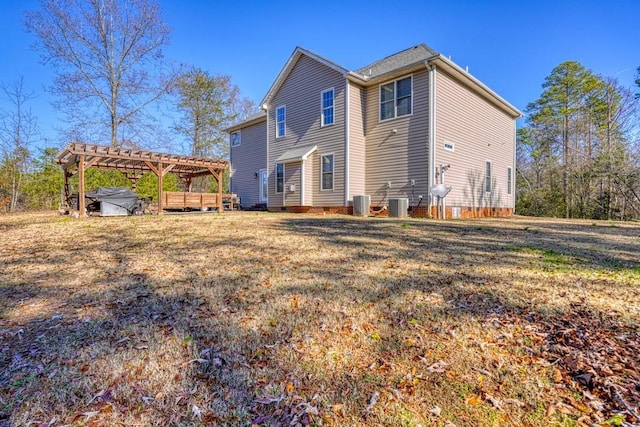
(392,129)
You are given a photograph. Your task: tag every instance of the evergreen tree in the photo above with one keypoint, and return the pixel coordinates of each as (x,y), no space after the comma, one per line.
(44,185)
(208,105)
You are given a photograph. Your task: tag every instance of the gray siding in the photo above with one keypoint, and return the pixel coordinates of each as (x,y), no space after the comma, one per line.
(357,146)
(247,159)
(401,156)
(300,93)
(480,132)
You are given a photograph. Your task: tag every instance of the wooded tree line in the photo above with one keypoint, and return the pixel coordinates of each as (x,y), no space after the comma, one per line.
(114,86)
(578,154)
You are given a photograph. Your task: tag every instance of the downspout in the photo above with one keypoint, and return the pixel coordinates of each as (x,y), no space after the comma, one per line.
(513,174)
(302,183)
(266,110)
(432,133)
(346,142)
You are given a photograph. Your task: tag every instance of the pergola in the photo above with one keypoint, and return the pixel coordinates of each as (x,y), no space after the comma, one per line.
(77,157)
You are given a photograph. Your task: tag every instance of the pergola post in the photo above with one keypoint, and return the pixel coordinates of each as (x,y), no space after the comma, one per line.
(160,174)
(219,178)
(81,205)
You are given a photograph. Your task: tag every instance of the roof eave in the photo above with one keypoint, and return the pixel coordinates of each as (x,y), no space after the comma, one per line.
(482,89)
(288,67)
(246,123)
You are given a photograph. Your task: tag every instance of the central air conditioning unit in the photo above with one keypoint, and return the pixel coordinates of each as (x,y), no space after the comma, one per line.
(361,205)
(398,207)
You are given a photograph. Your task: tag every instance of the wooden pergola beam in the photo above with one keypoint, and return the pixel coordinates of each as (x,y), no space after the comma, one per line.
(136,162)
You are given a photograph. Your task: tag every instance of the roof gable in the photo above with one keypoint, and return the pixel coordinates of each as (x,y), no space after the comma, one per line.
(288,67)
(405,58)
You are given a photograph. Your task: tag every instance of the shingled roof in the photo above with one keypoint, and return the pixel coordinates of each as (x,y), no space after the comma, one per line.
(413,55)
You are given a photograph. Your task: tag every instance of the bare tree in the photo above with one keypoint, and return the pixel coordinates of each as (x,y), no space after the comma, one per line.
(18,131)
(108,60)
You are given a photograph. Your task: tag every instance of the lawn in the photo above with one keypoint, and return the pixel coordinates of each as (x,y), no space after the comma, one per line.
(280,319)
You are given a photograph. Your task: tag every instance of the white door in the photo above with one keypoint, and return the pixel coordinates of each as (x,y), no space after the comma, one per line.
(264,182)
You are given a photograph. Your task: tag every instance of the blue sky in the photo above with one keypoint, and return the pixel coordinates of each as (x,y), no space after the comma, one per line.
(511,46)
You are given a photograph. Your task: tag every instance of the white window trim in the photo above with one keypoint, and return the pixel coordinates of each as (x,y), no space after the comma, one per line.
(264,195)
(509,180)
(333,173)
(239,133)
(395,99)
(283,178)
(452,144)
(322,108)
(284,128)
(490,163)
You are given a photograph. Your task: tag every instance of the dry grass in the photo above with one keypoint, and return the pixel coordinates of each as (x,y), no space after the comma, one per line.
(277,319)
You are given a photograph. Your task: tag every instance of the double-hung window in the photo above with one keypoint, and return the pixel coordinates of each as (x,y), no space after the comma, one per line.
(281,119)
(487,177)
(279,177)
(327,107)
(235,138)
(327,172)
(396,98)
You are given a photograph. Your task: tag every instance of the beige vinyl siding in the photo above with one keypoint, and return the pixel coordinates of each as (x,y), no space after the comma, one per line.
(308,179)
(401,156)
(357,104)
(247,159)
(292,174)
(480,132)
(300,93)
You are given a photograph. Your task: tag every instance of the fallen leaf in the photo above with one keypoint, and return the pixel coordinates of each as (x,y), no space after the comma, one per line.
(473,400)
(338,409)
(99,394)
(373,400)
(90,414)
(438,367)
(197,412)
(270,400)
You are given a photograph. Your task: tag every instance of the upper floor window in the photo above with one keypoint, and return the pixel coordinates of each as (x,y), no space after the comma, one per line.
(235,138)
(327,172)
(279,177)
(281,117)
(396,98)
(487,177)
(327,107)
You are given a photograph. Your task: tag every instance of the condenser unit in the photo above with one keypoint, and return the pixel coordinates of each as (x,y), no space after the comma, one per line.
(398,207)
(361,205)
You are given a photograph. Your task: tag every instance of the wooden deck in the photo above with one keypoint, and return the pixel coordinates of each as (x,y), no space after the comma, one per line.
(186,200)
